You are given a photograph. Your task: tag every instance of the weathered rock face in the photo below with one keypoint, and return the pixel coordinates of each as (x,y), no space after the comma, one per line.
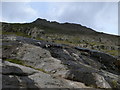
(89,78)
(35,32)
(64,32)
(18,76)
(30,63)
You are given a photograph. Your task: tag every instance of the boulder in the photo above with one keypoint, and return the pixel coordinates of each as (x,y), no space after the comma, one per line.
(89,78)
(18,76)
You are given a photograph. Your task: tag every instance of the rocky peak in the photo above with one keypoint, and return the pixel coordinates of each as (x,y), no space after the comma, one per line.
(40,21)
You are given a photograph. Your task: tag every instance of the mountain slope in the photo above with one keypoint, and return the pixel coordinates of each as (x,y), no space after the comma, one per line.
(29,63)
(65,33)
(44,54)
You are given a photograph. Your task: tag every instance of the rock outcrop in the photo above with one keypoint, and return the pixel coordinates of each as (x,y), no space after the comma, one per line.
(30,63)
(65,33)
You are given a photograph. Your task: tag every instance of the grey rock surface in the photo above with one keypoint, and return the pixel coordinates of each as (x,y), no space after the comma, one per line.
(18,76)
(49,65)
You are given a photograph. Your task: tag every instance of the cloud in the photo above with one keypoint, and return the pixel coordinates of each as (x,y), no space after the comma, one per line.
(107,19)
(101,16)
(17,12)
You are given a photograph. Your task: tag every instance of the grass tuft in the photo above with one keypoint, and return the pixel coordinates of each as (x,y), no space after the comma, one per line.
(20,62)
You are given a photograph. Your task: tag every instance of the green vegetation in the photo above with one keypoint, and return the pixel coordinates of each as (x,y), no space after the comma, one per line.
(0,32)
(111,52)
(21,62)
(16,61)
(39,38)
(16,33)
(63,42)
(39,69)
(114,83)
(93,43)
(6,46)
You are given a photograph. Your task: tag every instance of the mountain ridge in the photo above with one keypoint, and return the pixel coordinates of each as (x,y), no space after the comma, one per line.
(65,33)
(74,25)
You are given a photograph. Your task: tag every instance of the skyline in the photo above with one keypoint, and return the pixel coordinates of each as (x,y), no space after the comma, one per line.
(100,16)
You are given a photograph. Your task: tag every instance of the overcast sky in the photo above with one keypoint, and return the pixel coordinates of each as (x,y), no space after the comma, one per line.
(100,16)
